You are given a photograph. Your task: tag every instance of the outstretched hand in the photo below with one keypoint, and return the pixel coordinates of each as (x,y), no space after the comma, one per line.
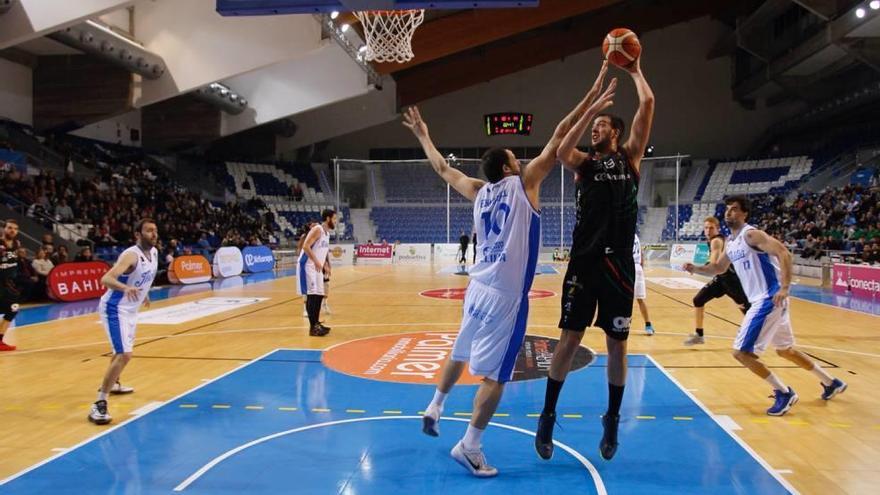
(412,120)
(605,100)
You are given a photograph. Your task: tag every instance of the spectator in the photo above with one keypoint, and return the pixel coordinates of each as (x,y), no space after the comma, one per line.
(63,212)
(42,264)
(61,256)
(84,255)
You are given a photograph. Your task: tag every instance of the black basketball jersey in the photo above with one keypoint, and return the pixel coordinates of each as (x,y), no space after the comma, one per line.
(8,263)
(606,189)
(730,275)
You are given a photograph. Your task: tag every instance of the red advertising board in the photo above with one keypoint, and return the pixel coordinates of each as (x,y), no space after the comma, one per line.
(374,251)
(858,280)
(77,281)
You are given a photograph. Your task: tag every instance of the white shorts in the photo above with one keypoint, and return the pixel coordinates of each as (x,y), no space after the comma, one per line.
(312,284)
(764,324)
(639,291)
(493,327)
(120,327)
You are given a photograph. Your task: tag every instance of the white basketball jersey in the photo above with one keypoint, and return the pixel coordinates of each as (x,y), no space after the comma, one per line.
(757,271)
(141,277)
(320,248)
(637,251)
(508,236)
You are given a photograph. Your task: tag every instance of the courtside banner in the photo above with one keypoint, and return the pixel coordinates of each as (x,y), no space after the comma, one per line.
(189,270)
(341,254)
(446,253)
(258,259)
(413,254)
(374,254)
(681,254)
(228,262)
(77,281)
(858,280)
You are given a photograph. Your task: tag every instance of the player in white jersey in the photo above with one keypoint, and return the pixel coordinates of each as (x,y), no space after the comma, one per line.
(507,219)
(311,264)
(639,291)
(763,265)
(128,285)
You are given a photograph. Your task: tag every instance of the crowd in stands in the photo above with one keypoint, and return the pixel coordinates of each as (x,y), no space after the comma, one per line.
(844,219)
(114,200)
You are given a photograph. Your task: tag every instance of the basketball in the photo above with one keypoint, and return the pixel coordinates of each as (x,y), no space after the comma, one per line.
(621,47)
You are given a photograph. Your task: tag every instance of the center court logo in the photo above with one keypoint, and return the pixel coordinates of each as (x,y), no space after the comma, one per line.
(419,357)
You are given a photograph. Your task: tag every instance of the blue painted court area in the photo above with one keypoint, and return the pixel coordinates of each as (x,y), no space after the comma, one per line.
(287,424)
(824,296)
(60,311)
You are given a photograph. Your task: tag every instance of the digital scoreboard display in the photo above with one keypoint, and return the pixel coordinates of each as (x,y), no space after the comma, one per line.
(508,123)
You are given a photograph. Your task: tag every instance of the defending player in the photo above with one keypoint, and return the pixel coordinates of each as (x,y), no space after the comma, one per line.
(128,285)
(506,213)
(763,265)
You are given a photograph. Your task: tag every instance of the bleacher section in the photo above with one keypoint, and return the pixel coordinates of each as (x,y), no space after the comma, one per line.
(419,183)
(773,175)
(273,185)
(690,221)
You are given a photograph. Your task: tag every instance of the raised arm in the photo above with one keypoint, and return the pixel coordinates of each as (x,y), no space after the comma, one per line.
(568,153)
(467,186)
(759,239)
(537,169)
(644,118)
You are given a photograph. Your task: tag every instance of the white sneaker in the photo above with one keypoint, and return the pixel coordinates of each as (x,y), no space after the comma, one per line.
(474,461)
(326,308)
(694,340)
(99,414)
(431,421)
(119,389)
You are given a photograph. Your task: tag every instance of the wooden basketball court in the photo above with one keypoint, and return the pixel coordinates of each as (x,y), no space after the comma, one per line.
(819,447)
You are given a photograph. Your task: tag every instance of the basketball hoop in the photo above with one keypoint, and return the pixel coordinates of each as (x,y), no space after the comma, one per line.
(389,33)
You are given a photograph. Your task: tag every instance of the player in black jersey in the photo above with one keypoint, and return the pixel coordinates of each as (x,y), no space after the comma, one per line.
(10,295)
(601,271)
(726,284)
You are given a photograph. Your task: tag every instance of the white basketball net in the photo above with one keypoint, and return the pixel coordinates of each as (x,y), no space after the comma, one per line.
(389,33)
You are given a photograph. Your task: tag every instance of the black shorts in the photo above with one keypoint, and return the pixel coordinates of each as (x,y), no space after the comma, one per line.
(10,298)
(720,286)
(604,281)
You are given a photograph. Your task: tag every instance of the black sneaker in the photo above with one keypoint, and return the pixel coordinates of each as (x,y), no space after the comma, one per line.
(318,331)
(544,435)
(608,445)
(98,414)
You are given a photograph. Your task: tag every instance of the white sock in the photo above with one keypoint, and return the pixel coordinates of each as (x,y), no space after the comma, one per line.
(102,395)
(438,400)
(776,383)
(822,374)
(472,436)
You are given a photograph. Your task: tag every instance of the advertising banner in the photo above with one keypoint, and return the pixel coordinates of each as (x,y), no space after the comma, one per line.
(228,262)
(446,253)
(413,254)
(189,270)
(77,281)
(377,254)
(341,254)
(858,280)
(258,259)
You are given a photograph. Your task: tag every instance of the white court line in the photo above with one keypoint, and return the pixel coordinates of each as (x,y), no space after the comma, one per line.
(451,325)
(597,479)
(728,423)
(135,418)
(148,407)
(788,486)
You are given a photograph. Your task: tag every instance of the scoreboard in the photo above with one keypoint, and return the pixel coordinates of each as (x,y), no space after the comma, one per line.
(508,123)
